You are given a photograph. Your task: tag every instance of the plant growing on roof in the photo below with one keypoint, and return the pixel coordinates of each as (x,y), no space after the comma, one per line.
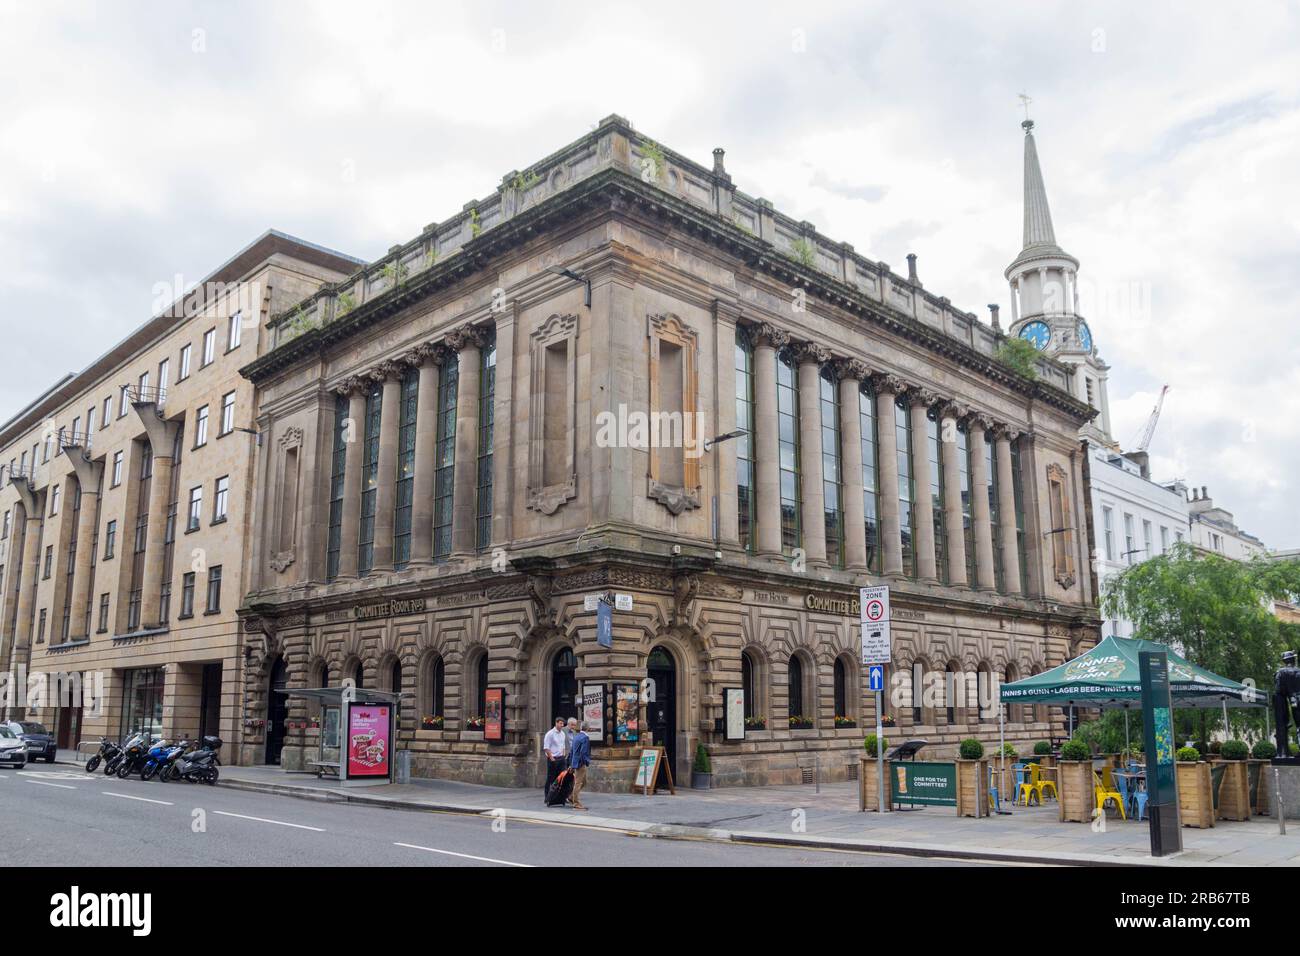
(524,181)
(653,162)
(475,227)
(346,303)
(801,251)
(1019,356)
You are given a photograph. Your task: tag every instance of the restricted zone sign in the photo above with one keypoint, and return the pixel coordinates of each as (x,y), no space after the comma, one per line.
(875,625)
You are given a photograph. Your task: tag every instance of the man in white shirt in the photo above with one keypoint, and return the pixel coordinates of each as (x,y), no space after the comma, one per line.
(555,746)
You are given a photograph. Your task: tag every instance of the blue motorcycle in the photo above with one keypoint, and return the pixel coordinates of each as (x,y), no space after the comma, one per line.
(155,759)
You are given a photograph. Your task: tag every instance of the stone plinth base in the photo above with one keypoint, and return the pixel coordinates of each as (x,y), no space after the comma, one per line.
(1288,775)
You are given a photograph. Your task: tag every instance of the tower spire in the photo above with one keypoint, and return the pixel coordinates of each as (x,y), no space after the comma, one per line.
(1038,217)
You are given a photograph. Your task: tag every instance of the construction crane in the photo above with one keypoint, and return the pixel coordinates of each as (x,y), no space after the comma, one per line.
(1144,439)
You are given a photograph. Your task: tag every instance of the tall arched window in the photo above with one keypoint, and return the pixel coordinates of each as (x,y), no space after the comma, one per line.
(841,689)
(358,675)
(395,677)
(747,681)
(832,489)
(918,692)
(787,420)
(480,707)
(436,688)
(950,692)
(746,480)
(795,687)
(985,703)
(564,685)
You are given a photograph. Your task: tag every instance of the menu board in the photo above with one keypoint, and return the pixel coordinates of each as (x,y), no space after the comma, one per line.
(370,732)
(593,711)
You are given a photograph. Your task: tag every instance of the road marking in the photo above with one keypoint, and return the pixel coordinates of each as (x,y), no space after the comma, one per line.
(281,823)
(127,796)
(463,856)
(43,783)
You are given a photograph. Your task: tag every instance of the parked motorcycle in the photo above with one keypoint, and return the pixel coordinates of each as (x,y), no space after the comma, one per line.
(134,754)
(199,766)
(107,751)
(112,764)
(173,753)
(158,755)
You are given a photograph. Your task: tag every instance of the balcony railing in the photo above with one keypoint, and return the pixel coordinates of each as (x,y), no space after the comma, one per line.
(147,394)
(68,439)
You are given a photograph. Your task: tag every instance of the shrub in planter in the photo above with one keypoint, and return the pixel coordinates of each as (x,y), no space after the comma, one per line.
(1234,750)
(1263,750)
(701,770)
(970,749)
(870,743)
(1074,750)
(1009,752)
(972,779)
(1187,755)
(1195,790)
(1042,748)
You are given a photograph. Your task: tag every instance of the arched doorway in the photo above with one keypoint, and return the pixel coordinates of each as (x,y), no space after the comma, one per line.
(661,704)
(277,710)
(564,686)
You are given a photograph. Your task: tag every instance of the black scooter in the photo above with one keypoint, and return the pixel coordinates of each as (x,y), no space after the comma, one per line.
(107,751)
(199,766)
(135,753)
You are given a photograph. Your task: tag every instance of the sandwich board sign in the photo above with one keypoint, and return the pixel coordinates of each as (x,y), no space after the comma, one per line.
(876,647)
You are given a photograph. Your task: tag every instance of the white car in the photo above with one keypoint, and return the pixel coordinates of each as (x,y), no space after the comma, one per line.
(13,750)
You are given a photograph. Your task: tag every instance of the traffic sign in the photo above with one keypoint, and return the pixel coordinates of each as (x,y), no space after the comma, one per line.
(876,677)
(876,645)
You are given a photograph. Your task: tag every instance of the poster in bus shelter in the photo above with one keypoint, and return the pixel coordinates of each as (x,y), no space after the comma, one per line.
(593,711)
(494,714)
(627,706)
(370,738)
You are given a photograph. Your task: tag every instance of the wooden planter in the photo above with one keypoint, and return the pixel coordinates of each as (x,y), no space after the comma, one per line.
(1234,792)
(1257,777)
(1075,797)
(973,788)
(1195,798)
(869,787)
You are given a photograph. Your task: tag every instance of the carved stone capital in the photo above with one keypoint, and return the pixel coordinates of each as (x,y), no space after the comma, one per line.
(809,353)
(386,372)
(889,384)
(419,355)
(980,420)
(467,336)
(954,410)
(351,385)
(1003,432)
(926,397)
(765,333)
(850,368)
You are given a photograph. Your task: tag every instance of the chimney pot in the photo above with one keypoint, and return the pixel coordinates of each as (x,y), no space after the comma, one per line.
(993,316)
(718,154)
(1204,493)
(911,268)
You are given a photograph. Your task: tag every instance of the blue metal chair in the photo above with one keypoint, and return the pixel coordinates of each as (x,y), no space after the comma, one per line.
(1140,797)
(1122,785)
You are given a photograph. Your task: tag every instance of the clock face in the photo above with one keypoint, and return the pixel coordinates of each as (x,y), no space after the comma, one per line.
(1037,333)
(1085,336)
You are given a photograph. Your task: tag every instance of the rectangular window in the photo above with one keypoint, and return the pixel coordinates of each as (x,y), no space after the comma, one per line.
(338,469)
(369,480)
(185,363)
(746,500)
(103,613)
(221,499)
(110,540)
(108,411)
(832,487)
(445,464)
(214,589)
(1108,532)
(201,427)
(1164,540)
(906,490)
(209,347)
(164,378)
(227,413)
(405,483)
(142,390)
(90,423)
(1130,542)
(40,627)
(123,398)
(486,413)
(1147,541)
(194,518)
(870,498)
(787,418)
(187,594)
(934,452)
(1062,534)
(5,532)
(233,332)
(116,478)
(48,565)
(55,495)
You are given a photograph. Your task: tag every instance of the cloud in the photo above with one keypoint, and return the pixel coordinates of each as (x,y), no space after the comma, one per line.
(159,140)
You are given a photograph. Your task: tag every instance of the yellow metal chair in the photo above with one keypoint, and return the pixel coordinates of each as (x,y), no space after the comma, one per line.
(1041,783)
(1104,791)
(1035,786)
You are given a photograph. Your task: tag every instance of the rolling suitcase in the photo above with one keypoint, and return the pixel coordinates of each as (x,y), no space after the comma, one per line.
(560,789)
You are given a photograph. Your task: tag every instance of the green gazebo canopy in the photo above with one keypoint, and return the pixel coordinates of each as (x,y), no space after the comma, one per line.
(1107,676)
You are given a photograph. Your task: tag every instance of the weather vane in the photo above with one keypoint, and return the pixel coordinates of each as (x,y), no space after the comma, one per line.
(1025,101)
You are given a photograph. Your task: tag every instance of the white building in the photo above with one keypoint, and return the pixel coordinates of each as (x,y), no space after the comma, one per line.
(1214,530)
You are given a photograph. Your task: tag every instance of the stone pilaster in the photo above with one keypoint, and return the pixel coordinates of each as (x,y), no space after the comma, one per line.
(33,526)
(767,339)
(467,341)
(1007,509)
(851,373)
(162,444)
(888,388)
(952,516)
(89,474)
(809,357)
(923,508)
(389,374)
(350,532)
(985,571)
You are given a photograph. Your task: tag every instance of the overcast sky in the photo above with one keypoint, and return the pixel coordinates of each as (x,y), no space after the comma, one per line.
(143,140)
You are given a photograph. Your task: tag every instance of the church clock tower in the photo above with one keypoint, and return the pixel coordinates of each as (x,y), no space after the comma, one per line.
(1045,300)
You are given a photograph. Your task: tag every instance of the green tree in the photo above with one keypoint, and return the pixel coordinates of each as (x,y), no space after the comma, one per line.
(1214,611)
(1020,356)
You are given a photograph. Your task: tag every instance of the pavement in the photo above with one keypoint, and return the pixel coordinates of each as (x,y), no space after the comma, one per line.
(825,817)
(61,816)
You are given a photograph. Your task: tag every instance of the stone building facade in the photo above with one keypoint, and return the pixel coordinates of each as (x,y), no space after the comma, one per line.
(125,493)
(461,447)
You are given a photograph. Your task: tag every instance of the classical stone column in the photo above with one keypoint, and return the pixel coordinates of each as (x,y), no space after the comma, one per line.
(389,374)
(89,474)
(851,372)
(767,339)
(350,532)
(160,485)
(952,516)
(1007,509)
(985,572)
(428,358)
(888,388)
(923,539)
(467,341)
(810,357)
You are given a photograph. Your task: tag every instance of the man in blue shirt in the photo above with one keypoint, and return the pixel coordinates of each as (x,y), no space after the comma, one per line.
(579,759)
